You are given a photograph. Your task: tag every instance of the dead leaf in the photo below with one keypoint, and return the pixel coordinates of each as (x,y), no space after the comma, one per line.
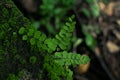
(117,34)
(97,52)
(118,22)
(112,47)
(108,9)
(83,68)
(102,5)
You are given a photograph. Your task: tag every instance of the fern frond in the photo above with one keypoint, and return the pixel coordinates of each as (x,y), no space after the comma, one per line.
(54,70)
(64,37)
(65,58)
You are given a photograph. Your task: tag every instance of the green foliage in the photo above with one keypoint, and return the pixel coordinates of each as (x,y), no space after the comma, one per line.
(54,70)
(64,58)
(89,39)
(58,64)
(22,30)
(22,61)
(62,41)
(90,29)
(55,6)
(24,75)
(94,9)
(69,74)
(64,37)
(36,24)
(55,11)
(12,77)
(37,34)
(30,32)
(24,37)
(86,12)
(33,59)
(77,42)
(51,44)
(27,52)
(32,41)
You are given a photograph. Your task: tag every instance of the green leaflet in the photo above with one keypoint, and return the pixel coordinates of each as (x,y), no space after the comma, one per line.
(42,37)
(90,41)
(30,32)
(33,59)
(69,74)
(37,35)
(32,41)
(24,37)
(95,10)
(54,70)
(86,12)
(21,30)
(51,44)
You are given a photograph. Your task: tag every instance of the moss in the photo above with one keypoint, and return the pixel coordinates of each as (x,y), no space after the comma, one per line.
(30,49)
(11,20)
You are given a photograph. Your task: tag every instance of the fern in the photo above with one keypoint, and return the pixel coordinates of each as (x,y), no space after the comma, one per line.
(58,64)
(51,9)
(23,46)
(65,58)
(53,69)
(56,71)
(61,40)
(64,37)
(59,61)
(51,44)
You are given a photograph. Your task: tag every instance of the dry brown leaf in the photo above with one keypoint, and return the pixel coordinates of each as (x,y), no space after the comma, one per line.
(112,47)
(83,68)
(118,22)
(97,52)
(117,34)
(107,9)
(102,5)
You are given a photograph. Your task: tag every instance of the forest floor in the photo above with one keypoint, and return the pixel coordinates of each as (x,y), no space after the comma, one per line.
(105,58)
